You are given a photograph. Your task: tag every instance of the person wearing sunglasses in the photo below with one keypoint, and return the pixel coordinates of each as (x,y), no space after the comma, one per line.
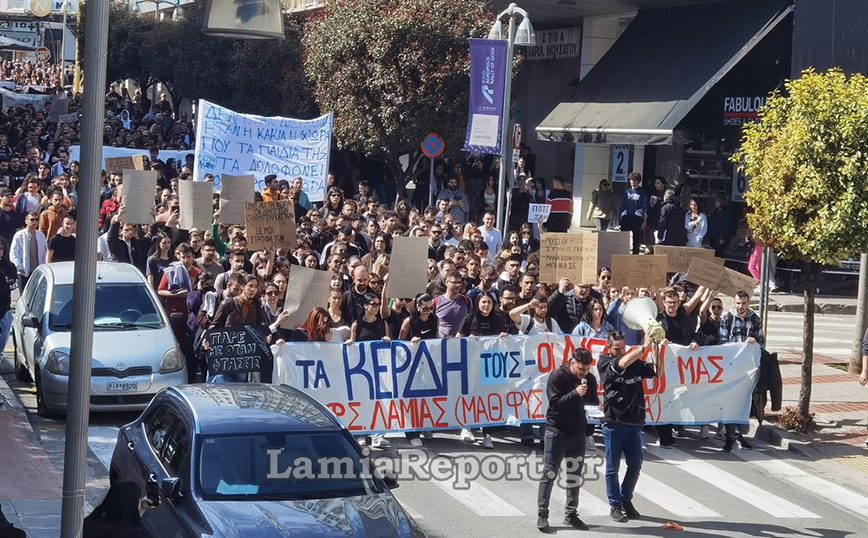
(604,281)
(370,326)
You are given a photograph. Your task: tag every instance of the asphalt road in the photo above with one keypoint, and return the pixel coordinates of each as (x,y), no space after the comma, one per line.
(455,489)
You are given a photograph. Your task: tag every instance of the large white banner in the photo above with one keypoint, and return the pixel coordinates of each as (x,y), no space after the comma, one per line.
(112,152)
(231,143)
(464,382)
(15,99)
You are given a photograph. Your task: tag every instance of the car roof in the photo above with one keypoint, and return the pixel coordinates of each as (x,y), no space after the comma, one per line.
(233,408)
(106,272)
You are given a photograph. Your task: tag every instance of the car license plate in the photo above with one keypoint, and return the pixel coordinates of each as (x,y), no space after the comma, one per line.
(122,386)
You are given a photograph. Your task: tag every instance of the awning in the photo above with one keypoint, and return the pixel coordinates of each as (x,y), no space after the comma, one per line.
(661,66)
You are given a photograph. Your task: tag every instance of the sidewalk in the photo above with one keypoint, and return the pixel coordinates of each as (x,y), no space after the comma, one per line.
(840,406)
(790,302)
(30,484)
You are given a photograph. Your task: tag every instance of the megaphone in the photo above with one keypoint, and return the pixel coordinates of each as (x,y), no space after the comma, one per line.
(641,315)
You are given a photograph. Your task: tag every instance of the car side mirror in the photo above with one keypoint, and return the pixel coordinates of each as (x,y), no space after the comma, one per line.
(177,319)
(390,478)
(30,321)
(171,487)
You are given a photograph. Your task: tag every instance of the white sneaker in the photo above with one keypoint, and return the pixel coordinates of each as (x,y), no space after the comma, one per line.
(379,441)
(486,442)
(590,444)
(467,436)
(417,442)
(703,432)
(427,434)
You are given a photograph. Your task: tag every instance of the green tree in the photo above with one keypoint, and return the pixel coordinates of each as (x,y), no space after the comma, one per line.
(807,158)
(393,71)
(255,77)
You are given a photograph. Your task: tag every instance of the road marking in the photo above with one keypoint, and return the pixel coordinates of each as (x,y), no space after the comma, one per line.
(480,499)
(728,483)
(832,492)
(671,500)
(102,440)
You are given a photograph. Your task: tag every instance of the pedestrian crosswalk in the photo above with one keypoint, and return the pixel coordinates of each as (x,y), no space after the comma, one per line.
(696,482)
(832,334)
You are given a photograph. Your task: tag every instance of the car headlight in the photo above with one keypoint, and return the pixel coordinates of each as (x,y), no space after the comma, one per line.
(172,361)
(57,362)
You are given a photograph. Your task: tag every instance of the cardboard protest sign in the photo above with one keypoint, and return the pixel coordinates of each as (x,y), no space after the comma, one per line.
(235,350)
(67,118)
(408,266)
(705,273)
(539,213)
(306,289)
(733,282)
(572,256)
(140,186)
(195,204)
(235,191)
(680,257)
(270,224)
(59,107)
(117,165)
(609,244)
(639,271)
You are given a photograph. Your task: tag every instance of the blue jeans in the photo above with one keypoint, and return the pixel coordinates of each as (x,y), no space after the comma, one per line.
(5,329)
(626,439)
(558,448)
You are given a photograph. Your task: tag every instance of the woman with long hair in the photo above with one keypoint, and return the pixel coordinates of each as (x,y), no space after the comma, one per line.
(529,243)
(489,194)
(604,281)
(594,324)
(160,260)
(381,244)
(421,324)
(696,224)
(119,515)
(333,309)
(481,321)
(314,329)
(334,202)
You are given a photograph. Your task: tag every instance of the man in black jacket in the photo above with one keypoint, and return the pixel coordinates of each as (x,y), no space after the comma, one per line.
(570,388)
(670,229)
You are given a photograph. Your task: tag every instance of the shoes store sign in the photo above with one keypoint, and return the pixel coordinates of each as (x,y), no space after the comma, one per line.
(740,110)
(555,44)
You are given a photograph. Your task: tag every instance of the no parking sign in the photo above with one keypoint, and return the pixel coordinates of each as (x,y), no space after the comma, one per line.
(432,145)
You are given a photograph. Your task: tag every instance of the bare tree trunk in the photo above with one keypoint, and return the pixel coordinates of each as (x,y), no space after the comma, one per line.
(855,366)
(809,271)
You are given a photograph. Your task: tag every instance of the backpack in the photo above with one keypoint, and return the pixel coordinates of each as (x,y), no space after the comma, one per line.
(7,530)
(529,325)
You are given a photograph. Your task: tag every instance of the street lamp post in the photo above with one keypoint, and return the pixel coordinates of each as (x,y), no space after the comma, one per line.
(523,36)
(83,288)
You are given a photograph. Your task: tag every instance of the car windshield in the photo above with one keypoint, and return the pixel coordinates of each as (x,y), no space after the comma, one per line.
(284,466)
(121,306)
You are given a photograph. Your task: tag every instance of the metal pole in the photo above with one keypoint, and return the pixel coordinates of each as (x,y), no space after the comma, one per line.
(764,284)
(430,181)
(861,313)
(505,153)
(63,43)
(83,290)
(76,85)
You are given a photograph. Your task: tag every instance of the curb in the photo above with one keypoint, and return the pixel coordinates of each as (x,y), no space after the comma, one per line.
(779,437)
(819,308)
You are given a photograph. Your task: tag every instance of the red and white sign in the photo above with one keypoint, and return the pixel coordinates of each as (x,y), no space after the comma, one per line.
(43,54)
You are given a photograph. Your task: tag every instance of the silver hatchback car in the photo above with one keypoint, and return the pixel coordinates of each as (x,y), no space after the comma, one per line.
(135,354)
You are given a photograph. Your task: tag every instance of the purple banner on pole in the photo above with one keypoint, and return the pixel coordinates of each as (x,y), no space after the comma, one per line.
(487,78)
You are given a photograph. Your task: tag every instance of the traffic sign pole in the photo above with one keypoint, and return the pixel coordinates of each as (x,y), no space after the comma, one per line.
(432,147)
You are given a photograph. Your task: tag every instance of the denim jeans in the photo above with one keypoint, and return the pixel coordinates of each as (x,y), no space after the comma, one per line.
(622,439)
(5,329)
(559,448)
(602,224)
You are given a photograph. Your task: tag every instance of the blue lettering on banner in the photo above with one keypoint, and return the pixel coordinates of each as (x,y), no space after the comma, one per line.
(229,142)
(498,366)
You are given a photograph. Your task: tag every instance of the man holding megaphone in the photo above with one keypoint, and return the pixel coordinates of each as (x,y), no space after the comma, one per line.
(622,374)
